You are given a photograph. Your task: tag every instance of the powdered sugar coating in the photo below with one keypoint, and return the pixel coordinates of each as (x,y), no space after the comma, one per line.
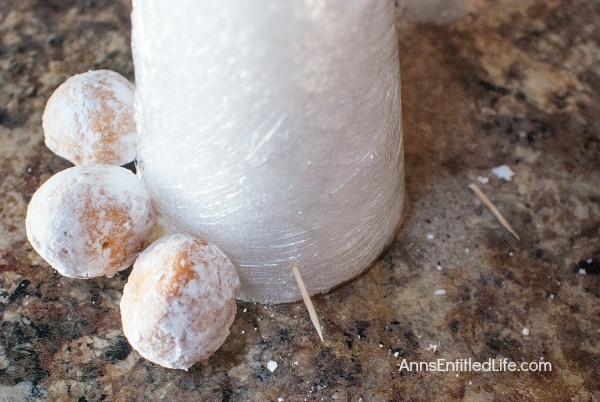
(179,301)
(90,119)
(89,221)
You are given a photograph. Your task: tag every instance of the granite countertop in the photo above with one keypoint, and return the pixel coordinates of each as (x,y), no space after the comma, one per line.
(516,82)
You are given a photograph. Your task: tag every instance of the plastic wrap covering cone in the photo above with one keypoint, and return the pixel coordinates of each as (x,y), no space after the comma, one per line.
(272,129)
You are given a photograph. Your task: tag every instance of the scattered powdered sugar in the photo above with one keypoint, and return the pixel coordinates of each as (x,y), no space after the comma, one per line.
(525,331)
(179,302)
(272,365)
(432,347)
(440,292)
(483,179)
(503,172)
(89,221)
(430,236)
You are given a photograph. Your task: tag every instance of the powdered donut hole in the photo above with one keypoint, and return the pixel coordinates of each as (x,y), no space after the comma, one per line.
(89,119)
(89,221)
(179,301)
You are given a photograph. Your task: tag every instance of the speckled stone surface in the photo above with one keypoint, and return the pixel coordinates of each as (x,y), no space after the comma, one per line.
(517,82)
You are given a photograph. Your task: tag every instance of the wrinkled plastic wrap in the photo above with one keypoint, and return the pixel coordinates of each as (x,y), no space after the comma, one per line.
(272,129)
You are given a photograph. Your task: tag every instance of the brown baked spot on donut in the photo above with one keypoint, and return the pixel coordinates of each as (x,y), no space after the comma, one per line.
(111,123)
(201,243)
(106,212)
(183,272)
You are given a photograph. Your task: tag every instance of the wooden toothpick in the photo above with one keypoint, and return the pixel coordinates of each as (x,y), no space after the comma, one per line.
(494,210)
(309,305)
